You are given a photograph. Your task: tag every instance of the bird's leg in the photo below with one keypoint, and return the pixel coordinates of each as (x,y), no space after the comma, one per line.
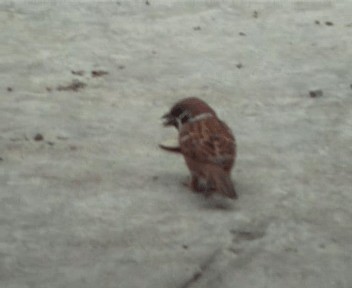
(200,185)
(194,184)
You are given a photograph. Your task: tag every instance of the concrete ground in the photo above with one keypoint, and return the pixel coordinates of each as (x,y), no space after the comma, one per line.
(87,199)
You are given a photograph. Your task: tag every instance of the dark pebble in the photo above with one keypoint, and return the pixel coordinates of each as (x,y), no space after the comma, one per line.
(315,93)
(38,137)
(99,73)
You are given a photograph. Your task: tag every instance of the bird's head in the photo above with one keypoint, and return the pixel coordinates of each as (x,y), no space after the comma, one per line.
(186,110)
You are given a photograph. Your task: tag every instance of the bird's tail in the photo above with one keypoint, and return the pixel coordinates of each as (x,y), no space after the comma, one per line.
(222,182)
(170,148)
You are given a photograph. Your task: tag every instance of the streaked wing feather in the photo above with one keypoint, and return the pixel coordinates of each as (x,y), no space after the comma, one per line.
(209,141)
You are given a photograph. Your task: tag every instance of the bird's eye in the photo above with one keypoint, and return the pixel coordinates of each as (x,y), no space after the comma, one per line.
(184,116)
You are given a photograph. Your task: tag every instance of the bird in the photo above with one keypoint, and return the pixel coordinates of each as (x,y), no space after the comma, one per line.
(207,145)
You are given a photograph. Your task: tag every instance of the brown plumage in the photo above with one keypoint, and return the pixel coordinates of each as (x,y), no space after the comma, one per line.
(207,145)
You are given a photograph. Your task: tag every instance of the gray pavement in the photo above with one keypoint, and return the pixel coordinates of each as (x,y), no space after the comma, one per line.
(88,200)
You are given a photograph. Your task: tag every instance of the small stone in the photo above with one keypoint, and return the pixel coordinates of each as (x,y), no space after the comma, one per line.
(184,246)
(9,89)
(147,3)
(315,93)
(1,159)
(99,73)
(239,65)
(121,67)
(78,72)
(242,34)
(38,137)
(255,14)
(197,28)
(328,23)
(317,22)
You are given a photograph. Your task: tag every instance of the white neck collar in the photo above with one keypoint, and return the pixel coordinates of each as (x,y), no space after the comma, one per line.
(201,117)
(194,119)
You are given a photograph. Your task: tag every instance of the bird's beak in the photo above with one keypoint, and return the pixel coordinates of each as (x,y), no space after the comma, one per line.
(169,120)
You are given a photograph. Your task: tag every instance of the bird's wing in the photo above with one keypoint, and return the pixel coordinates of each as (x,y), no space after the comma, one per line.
(208,141)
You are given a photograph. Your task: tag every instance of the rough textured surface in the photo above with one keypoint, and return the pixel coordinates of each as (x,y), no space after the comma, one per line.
(93,202)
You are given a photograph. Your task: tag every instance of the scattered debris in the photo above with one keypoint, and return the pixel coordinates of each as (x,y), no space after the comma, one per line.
(197,28)
(317,22)
(78,72)
(242,34)
(75,85)
(121,67)
(315,93)
(38,137)
(239,65)
(255,14)
(99,73)
(9,89)
(328,23)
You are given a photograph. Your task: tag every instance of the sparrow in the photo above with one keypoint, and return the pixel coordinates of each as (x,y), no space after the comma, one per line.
(207,145)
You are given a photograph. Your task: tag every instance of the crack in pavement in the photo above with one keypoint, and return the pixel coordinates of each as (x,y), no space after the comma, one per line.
(203,268)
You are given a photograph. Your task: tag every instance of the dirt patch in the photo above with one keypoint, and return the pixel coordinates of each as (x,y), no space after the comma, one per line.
(75,86)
